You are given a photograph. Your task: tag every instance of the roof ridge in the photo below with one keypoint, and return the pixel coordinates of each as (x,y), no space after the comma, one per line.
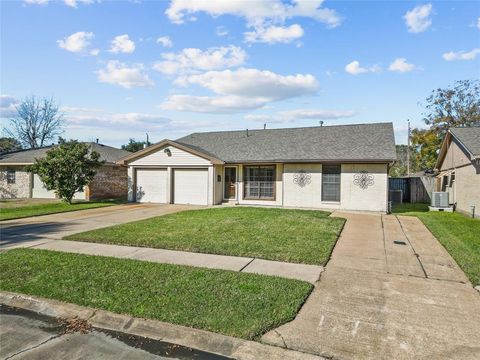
(286,128)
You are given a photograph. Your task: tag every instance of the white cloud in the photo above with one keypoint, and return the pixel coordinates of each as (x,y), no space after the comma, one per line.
(211,104)
(258,14)
(239,90)
(418,19)
(76,42)
(461,55)
(36,2)
(120,74)
(221,31)
(71,3)
(165,41)
(94,52)
(122,44)
(8,106)
(401,65)
(300,114)
(354,68)
(74,3)
(274,34)
(100,117)
(192,59)
(253,83)
(257,11)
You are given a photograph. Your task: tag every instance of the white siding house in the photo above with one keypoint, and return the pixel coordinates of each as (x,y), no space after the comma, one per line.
(299,167)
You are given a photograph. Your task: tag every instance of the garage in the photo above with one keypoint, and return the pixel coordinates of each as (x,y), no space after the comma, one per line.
(190,186)
(151,185)
(39,191)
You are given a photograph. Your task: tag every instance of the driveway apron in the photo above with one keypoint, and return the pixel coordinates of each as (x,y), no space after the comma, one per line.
(390,291)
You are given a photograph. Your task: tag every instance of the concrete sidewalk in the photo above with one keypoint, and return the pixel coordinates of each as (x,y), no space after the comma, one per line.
(46,232)
(383,300)
(310,273)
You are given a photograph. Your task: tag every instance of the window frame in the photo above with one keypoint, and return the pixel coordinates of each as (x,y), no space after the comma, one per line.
(339,166)
(9,173)
(274,182)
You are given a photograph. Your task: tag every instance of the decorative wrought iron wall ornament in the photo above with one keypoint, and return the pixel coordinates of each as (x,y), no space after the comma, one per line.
(302,178)
(363,179)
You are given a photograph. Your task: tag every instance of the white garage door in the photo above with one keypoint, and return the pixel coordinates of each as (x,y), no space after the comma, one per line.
(151,185)
(39,191)
(190,186)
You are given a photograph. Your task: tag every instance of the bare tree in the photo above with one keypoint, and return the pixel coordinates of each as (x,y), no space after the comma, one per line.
(37,122)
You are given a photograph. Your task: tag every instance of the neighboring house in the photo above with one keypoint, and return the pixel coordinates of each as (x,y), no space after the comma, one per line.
(458,164)
(330,167)
(15,182)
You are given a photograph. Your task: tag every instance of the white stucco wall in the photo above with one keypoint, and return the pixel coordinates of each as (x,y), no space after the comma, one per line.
(373,198)
(352,197)
(307,196)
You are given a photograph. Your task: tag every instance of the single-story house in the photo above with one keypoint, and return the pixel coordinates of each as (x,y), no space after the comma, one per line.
(15,182)
(329,167)
(458,164)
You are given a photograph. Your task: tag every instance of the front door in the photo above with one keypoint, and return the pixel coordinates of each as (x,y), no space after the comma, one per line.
(230,190)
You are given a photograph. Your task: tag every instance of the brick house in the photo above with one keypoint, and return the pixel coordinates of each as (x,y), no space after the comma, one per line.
(15,182)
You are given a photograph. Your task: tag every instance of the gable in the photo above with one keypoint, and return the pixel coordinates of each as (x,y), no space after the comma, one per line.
(169,155)
(455,156)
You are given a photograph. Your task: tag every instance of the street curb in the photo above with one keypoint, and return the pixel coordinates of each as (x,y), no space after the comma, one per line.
(176,334)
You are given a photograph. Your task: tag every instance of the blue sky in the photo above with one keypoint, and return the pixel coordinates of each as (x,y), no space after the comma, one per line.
(121,69)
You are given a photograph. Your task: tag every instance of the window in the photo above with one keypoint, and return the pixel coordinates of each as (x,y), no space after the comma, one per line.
(10,176)
(331,182)
(259,182)
(452,179)
(444,182)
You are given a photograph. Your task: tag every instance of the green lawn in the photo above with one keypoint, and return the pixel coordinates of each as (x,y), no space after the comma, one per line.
(299,236)
(232,303)
(9,211)
(459,234)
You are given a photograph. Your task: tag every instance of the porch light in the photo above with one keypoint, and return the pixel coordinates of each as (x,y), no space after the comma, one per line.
(168,152)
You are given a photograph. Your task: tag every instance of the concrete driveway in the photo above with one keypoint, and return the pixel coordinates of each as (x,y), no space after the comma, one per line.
(378,299)
(35,230)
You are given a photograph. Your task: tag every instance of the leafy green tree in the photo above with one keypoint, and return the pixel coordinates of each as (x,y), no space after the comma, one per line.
(67,168)
(454,106)
(400,167)
(8,144)
(133,145)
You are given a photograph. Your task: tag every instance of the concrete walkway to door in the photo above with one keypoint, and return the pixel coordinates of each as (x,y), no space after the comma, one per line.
(383,300)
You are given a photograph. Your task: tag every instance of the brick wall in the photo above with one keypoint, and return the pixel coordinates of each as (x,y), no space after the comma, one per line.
(110,182)
(21,187)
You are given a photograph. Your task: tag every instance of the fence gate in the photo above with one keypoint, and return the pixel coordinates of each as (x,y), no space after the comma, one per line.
(414,189)
(402,184)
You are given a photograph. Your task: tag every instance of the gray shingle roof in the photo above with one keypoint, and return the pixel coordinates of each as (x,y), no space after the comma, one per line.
(369,142)
(469,137)
(107,153)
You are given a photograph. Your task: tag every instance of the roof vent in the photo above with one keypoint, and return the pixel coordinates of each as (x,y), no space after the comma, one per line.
(247,132)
